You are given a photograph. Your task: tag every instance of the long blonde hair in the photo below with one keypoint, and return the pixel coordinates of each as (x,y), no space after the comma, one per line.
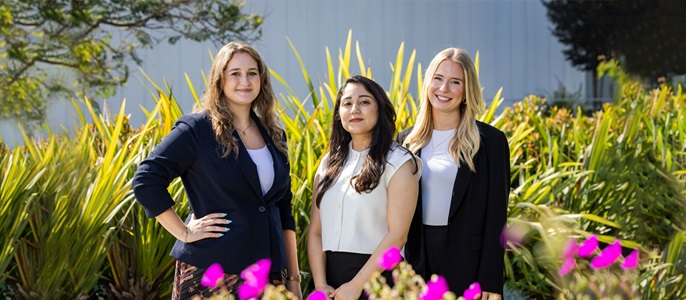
(217,104)
(466,141)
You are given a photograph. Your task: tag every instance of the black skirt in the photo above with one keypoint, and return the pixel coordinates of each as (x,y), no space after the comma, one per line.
(435,239)
(341,267)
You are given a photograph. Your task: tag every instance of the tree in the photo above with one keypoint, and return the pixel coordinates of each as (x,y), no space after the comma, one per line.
(58,48)
(644,34)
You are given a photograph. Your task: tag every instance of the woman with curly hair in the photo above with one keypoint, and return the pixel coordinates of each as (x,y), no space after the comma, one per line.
(231,156)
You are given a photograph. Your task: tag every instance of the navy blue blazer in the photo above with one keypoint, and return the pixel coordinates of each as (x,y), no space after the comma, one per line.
(478,213)
(214,184)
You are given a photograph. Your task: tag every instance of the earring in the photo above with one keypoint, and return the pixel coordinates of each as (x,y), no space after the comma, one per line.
(464,101)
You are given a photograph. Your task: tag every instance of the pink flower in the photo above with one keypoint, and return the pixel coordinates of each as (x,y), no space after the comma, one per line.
(631,261)
(212,275)
(567,266)
(390,258)
(256,278)
(570,249)
(512,237)
(472,292)
(589,246)
(608,256)
(435,288)
(317,295)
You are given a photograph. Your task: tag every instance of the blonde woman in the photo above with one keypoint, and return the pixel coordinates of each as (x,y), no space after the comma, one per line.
(462,206)
(231,156)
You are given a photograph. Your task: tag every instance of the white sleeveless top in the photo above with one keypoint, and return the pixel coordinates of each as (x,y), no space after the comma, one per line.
(353,222)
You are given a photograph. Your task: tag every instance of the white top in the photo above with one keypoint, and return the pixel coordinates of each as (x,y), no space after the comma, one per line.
(439,178)
(265,167)
(353,222)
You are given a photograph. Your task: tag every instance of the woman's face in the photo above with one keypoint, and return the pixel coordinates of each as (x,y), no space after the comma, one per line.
(447,87)
(241,80)
(358,109)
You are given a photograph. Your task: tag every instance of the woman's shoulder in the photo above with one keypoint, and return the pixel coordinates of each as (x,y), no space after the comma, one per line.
(403,134)
(398,154)
(196,124)
(322,163)
(493,139)
(195,119)
(489,132)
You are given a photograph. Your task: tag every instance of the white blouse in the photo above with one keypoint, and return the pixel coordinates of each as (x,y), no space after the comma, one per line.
(265,167)
(440,171)
(353,222)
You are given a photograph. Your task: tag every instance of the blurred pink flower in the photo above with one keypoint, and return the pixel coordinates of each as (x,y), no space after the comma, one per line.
(435,288)
(390,258)
(212,275)
(256,278)
(472,292)
(608,256)
(317,295)
(631,261)
(567,266)
(570,249)
(589,246)
(512,236)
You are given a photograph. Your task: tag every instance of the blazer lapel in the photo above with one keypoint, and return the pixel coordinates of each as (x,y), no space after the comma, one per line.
(280,172)
(248,167)
(464,174)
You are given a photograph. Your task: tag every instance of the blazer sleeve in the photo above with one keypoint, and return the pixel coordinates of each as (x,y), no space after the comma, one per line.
(167,161)
(492,259)
(400,139)
(285,204)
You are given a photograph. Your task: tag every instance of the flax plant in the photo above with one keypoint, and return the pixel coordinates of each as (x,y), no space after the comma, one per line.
(139,265)
(84,180)
(18,177)
(620,170)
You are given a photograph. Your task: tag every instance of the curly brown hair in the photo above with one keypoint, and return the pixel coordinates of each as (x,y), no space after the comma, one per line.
(217,104)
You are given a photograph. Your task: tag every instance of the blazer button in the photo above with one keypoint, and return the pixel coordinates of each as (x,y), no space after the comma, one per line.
(261,208)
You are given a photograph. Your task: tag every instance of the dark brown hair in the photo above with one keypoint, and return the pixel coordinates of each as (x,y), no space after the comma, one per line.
(381,142)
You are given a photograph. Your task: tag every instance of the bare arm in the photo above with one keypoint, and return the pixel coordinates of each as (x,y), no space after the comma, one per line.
(315,254)
(402,201)
(290,243)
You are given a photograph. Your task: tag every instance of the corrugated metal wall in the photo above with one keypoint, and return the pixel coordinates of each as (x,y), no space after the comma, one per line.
(517,51)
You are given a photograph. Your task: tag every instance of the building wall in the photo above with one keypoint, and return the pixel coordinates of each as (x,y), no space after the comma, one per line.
(516,49)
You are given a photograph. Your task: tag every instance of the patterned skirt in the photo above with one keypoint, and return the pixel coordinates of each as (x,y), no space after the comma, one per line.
(187,283)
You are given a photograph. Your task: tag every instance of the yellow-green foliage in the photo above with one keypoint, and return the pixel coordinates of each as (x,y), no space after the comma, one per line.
(71,228)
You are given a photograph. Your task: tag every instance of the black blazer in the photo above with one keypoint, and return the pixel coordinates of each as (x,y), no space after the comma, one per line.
(219,185)
(478,212)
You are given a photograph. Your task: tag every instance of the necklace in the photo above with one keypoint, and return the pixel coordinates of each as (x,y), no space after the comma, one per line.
(246,128)
(433,147)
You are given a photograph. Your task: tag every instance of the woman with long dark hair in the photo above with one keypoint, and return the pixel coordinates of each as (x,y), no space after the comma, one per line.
(365,191)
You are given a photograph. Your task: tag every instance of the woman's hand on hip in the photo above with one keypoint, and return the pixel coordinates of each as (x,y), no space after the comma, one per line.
(210,226)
